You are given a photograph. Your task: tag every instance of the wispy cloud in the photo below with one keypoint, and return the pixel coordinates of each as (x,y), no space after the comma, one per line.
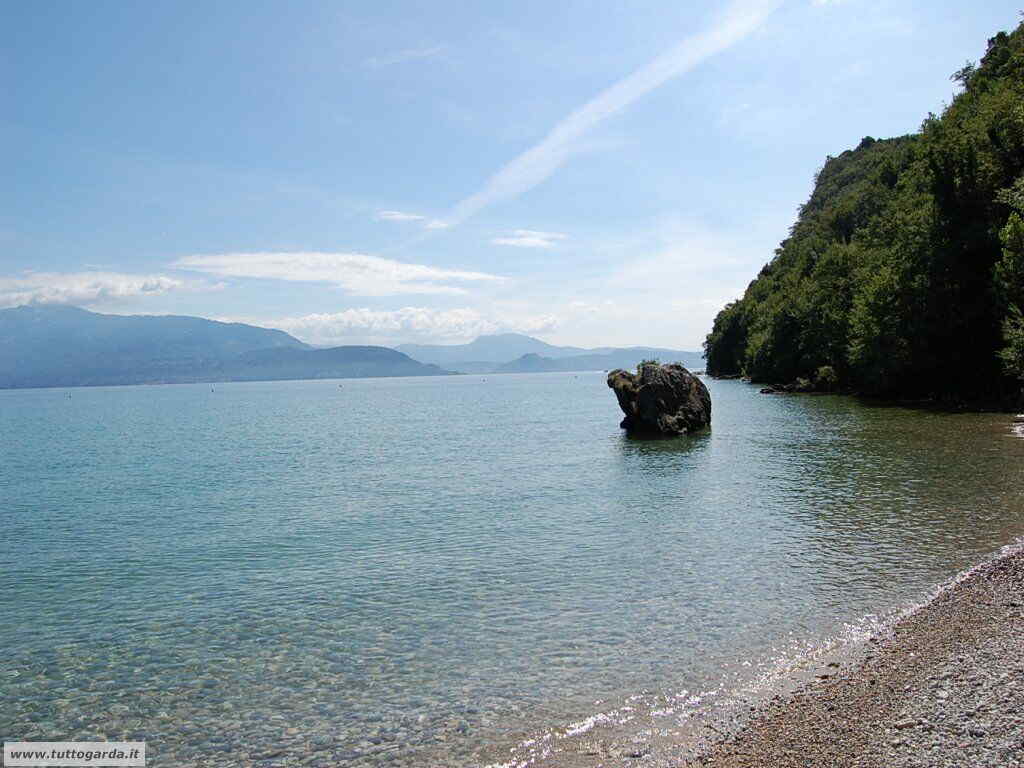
(407,324)
(398,216)
(401,57)
(402,216)
(530,238)
(88,287)
(355,273)
(536,164)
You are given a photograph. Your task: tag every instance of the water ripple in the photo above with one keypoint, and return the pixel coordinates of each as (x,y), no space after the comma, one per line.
(406,568)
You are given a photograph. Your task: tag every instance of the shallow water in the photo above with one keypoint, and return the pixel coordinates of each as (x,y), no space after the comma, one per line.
(383,571)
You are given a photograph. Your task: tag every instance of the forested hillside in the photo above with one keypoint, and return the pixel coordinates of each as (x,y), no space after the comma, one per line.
(904,273)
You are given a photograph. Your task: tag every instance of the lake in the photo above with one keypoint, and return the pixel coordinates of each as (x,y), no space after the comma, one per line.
(407,571)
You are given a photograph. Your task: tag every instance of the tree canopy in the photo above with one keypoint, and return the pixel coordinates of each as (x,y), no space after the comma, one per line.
(904,272)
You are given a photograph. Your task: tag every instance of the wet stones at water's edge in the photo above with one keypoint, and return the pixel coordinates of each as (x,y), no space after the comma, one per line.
(661,400)
(941,689)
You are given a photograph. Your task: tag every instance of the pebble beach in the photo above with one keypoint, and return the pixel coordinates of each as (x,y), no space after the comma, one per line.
(943,688)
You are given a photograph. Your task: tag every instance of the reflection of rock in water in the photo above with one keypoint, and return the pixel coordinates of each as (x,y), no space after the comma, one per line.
(661,399)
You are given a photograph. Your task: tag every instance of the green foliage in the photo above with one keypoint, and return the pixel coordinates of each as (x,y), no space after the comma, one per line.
(725,346)
(1009,270)
(826,379)
(1009,276)
(802,385)
(642,363)
(1012,355)
(904,272)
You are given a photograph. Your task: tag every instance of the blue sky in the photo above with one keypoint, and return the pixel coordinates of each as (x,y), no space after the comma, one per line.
(378,172)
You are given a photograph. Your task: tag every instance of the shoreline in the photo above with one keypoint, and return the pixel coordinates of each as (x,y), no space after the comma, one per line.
(938,684)
(942,405)
(942,686)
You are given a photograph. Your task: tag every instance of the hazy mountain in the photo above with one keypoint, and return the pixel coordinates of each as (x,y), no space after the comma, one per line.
(499,348)
(52,346)
(335,363)
(620,358)
(505,353)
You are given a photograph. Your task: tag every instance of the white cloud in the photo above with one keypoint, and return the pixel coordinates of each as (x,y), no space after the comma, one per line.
(529,238)
(356,273)
(401,57)
(363,325)
(87,287)
(536,164)
(399,216)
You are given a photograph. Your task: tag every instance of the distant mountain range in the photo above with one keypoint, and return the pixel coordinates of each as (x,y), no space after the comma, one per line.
(57,346)
(54,346)
(497,349)
(619,358)
(516,353)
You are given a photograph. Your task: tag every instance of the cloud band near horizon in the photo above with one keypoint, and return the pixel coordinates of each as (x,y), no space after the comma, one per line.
(405,324)
(357,274)
(89,287)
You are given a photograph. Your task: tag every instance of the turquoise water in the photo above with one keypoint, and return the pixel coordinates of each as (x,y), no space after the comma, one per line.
(382,572)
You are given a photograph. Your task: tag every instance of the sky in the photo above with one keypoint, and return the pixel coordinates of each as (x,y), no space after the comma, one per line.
(380,172)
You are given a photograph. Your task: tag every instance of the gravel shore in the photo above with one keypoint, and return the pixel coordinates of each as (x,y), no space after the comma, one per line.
(943,688)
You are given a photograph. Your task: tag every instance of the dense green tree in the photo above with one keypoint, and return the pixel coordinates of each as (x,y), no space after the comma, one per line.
(1010,285)
(904,272)
(725,345)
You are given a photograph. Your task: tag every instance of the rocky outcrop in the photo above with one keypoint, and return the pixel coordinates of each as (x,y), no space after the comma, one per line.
(661,399)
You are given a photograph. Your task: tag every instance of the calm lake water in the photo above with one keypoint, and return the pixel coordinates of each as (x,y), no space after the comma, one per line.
(382,572)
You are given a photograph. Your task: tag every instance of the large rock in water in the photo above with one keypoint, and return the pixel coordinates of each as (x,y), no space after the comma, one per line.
(661,399)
